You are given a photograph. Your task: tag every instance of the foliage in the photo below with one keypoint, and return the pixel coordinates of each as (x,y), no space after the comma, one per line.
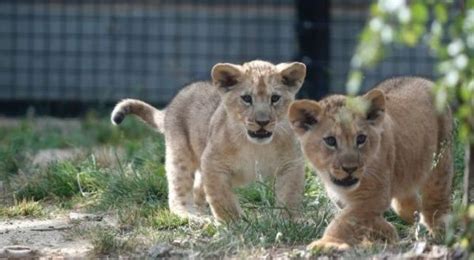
(464,219)
(446,27)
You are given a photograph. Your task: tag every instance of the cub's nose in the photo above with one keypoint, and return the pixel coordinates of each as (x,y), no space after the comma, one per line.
(349,170)
(263,123)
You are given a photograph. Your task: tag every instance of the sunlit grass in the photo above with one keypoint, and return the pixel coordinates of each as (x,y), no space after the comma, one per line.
(132,188)
(22,208)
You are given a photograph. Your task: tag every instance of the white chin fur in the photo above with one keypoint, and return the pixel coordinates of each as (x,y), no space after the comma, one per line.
(260,140)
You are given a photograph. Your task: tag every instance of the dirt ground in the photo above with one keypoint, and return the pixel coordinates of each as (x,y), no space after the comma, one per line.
(52,238)
(36,237)
(48,237)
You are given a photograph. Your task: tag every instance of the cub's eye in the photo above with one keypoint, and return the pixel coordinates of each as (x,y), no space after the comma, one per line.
(247,99)
(330,141)
(275,98)
(361,139)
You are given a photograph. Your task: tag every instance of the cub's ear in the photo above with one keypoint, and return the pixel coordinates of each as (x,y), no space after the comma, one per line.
(226,75)
(376,109)
(303,115)
(292,74)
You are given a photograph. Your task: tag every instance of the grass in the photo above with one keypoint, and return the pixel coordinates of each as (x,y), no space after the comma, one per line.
(31,135)
(107,240)
(131,186)
(23,208)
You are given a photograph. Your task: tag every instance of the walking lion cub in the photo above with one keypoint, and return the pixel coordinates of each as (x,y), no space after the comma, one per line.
(387,147)
(221,135)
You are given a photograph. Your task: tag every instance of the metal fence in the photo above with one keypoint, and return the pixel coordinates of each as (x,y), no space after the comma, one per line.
(348,18)
(105,50)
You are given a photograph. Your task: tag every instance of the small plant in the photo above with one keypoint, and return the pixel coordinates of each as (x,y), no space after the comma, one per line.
(23,208)
(59,180)
(461,229)
(165,220)
(135,186)
(107,241)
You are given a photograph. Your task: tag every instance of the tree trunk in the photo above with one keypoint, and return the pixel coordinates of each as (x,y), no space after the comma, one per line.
(469,175)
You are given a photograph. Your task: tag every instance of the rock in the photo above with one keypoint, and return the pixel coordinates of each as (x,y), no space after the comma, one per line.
(74,216)
(438,252)
(419,247)
(159,250)
(17,252)
(458,253)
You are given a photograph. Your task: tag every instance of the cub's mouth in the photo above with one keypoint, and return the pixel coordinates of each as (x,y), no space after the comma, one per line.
(346,182)
(259,134)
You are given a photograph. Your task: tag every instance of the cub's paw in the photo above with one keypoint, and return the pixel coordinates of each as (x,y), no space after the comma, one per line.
(327,245)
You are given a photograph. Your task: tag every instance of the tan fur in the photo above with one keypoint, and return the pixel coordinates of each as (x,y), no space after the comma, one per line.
(405,161)
(144,111)
(209,149)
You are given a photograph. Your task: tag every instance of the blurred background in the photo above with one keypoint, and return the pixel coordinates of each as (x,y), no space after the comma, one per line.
(64,57)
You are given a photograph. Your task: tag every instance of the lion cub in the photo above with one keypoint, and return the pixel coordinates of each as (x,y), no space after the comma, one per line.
(388,147)
(221,135)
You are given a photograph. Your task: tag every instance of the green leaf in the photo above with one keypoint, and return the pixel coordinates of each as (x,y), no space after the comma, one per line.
(464,111)
(470,4)
(465,93)
(418,29)
(420,12)
(441,98)
(367,35)
(354,82)
(440,13)
(375,10)
(409,37)
(463,132)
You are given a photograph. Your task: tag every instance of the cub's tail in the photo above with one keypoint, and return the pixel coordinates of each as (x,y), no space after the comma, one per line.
(146,112)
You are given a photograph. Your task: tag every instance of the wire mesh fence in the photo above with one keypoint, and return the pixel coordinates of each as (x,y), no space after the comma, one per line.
(90,50)
(348,18)
(102,51)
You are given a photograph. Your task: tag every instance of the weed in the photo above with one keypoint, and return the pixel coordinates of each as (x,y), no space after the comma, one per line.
(165,220)
(134,187)
(23,208)
(108,241)
(61,180)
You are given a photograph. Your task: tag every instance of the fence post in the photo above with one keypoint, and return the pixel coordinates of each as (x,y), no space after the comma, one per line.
(469,175)
(312,29)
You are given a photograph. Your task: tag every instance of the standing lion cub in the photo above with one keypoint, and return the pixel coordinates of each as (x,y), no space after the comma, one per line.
(220,135)
(388,147)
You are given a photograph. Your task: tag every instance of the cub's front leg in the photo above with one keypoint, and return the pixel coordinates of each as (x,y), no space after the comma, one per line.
(289,188)
(353,226)
(218,189)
